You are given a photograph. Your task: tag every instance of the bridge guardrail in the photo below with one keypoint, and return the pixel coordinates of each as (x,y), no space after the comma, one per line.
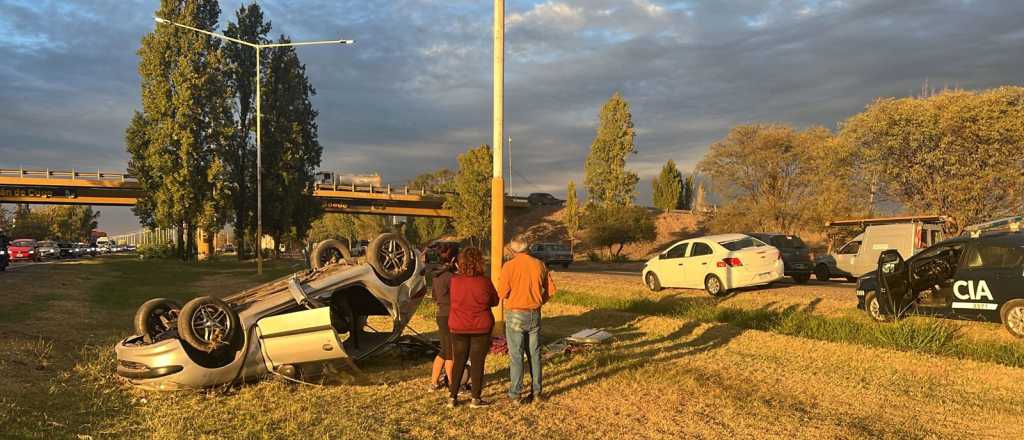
(71,174)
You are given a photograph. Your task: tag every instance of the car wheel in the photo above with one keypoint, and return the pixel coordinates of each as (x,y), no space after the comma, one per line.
(802,278)
(155,317)
(713,285)
(391,256)
(652,282)
(821,273)
(208,324)
(873,308)
(1012,314)
(328,252)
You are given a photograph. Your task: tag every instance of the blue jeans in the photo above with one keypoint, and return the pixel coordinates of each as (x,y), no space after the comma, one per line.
(522,333)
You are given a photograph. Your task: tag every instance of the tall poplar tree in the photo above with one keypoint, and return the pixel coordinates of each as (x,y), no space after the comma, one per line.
(608,182)
(571,217)
(176,141)
(240,153)
(291,148)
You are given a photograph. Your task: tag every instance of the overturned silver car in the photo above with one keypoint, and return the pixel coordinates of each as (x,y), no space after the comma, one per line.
(306,318)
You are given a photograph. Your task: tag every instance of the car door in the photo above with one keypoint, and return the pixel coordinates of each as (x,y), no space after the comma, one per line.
(894,295)
(846,257)
(989,275)
(671,265)
(699,263)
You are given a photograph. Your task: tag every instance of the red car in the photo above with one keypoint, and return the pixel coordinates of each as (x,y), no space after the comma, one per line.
(23,249)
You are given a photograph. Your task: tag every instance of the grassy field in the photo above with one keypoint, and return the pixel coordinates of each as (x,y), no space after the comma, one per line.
(669,373)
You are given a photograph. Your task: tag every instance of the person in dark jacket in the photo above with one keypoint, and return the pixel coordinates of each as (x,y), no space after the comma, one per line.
(470,321)
(439,290)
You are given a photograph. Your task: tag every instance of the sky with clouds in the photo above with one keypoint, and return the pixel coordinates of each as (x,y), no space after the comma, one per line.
(416,88)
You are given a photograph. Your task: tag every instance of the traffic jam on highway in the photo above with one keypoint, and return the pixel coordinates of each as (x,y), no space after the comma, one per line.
(27,250)
(901,265)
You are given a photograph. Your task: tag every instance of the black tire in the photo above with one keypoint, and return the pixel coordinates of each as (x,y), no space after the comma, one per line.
(1012,315)
(155,317)
(218,324)
(713,285)
(652,282)
(851,279)
(873,308)
(392,258)
(821,273)
(329,252)
(802,278)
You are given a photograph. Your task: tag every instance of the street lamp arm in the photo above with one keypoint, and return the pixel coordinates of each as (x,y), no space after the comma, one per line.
(308,43)
(212,34)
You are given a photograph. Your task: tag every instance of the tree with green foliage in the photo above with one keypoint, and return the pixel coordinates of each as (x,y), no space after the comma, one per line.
(70,223)
(772,177)
(571,217)
(686,197)
(290,143)
(616,226)
(470,204)
(334,226)
(668,187)
(955,153)
(423,230)
(240,153)
(608,182)
(175,142)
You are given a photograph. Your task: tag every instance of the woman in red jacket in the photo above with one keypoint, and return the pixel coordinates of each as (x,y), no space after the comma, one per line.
(470,322)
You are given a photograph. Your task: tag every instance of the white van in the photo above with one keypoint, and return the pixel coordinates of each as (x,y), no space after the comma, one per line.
(908,235)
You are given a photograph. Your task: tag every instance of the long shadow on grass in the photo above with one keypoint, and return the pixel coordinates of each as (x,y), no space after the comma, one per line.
(609,361)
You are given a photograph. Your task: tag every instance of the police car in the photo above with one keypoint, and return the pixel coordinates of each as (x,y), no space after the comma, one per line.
(978,276)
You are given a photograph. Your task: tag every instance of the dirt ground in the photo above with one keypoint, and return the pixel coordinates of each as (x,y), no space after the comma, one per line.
(658,378)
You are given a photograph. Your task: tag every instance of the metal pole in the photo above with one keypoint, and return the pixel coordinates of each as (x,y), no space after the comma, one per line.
(497,182)
(510,165)
(259,172)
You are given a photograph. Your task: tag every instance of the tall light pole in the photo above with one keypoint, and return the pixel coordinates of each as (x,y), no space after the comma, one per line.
(259,115)
(497,141)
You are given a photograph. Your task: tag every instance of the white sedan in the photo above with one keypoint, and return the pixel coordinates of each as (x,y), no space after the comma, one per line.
(716,263)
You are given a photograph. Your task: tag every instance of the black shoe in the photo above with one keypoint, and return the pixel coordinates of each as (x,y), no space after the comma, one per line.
(453,402)
(479,403)
(528,399)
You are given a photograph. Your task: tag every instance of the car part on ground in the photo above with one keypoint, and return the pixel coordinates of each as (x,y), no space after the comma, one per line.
(306,317)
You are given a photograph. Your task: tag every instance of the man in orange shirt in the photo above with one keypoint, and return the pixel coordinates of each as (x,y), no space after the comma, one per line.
(524,286)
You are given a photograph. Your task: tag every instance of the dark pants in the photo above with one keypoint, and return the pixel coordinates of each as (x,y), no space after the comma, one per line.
(474,348)
(446,338)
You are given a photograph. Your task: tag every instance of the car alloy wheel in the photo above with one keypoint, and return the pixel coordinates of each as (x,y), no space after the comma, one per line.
(1013,317)
(875,310)
(211,324)
(713,285)
(652,282)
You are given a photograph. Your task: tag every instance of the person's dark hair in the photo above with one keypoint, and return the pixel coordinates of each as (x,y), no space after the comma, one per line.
(448,252)
(471,262)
